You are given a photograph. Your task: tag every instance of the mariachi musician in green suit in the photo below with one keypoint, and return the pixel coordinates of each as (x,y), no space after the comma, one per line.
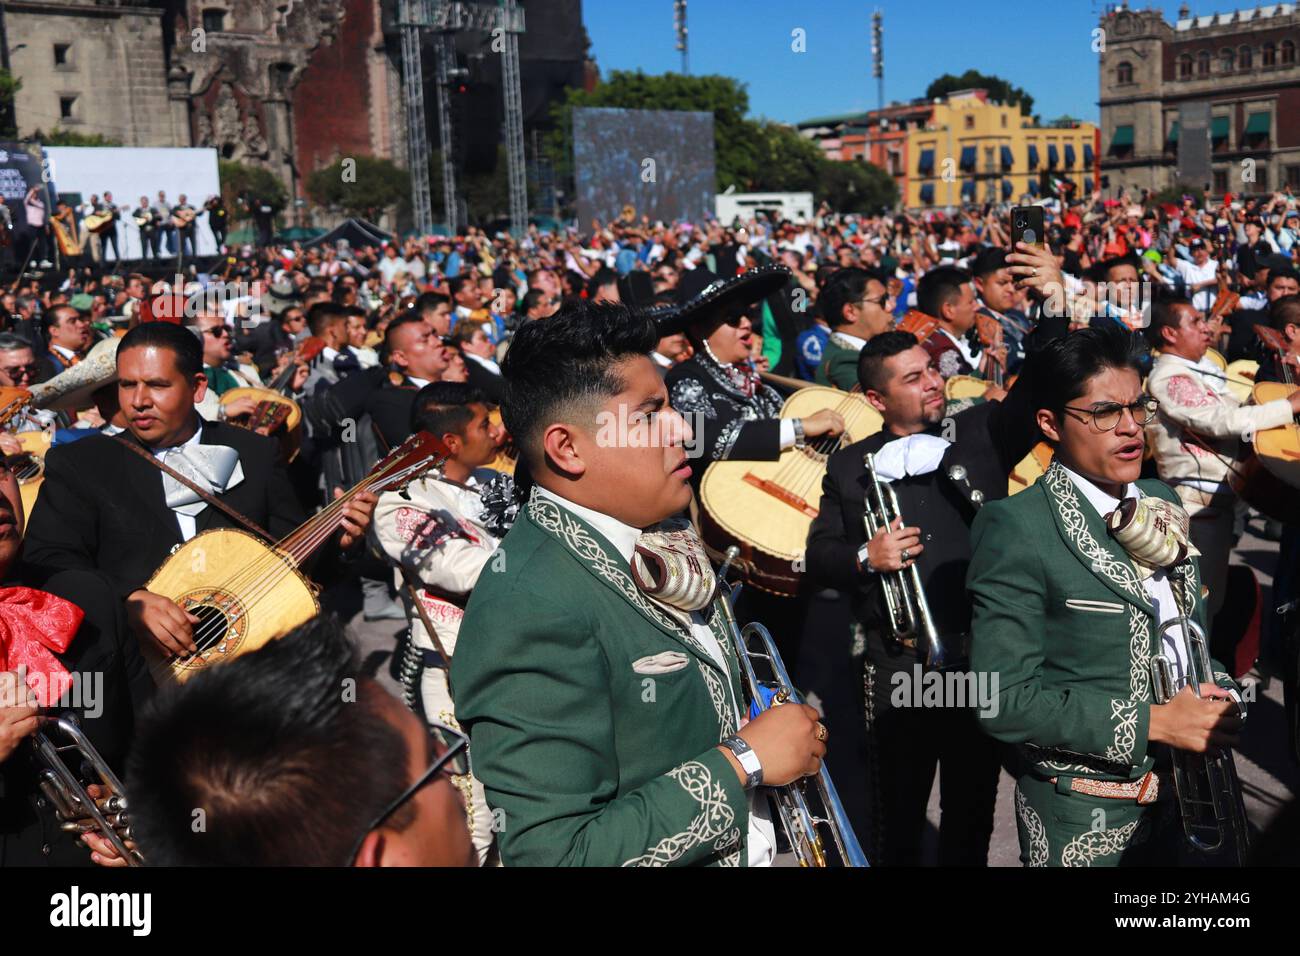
(594,671)
(1068,620)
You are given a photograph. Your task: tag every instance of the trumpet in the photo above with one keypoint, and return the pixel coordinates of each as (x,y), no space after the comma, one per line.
(909,611)
(1209,792)
(62,786)
(806,808)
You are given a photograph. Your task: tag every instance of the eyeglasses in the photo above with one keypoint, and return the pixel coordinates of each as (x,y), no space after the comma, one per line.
(218,331)
(450,756)
(880,302)
(1106,415)
(20,371)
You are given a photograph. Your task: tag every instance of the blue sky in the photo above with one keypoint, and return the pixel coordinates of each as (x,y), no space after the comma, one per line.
(1044,47)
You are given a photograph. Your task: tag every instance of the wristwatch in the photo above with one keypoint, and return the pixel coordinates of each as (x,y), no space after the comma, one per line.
(799,440)
(864,559)
(748,760)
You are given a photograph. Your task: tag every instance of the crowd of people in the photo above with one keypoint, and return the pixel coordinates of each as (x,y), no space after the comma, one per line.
(564,639)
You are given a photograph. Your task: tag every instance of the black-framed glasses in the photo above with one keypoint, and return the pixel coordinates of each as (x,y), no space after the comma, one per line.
(450,756)
(20,371)
(218,331)
(1106,415)
(880,301)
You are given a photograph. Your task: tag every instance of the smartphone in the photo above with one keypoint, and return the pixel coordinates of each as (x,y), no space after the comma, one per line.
(1027,226)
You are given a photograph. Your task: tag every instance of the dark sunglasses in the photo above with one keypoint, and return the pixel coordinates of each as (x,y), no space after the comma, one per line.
(450,756)
(17,371)
(218,331)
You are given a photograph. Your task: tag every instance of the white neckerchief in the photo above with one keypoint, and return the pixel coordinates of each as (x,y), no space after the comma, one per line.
(964,347)
(66,353)
(663,361)
(1157,585)
(917,454)
(488,364)
(329,353)
(214,468)
(762,836)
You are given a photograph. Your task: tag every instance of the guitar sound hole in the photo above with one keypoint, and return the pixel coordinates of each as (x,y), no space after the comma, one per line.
(212,627)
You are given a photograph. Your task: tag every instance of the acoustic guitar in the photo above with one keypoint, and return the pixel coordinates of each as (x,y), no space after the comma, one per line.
(99,222)
(246,592)
(276,414)
(183,217)
(766,507)
(1267,478)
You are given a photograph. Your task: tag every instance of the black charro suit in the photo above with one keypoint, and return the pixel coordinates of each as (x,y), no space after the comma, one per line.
(490,383)
(101,506)
(906,743)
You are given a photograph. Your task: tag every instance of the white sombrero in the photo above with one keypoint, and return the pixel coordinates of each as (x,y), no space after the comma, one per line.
(72,388)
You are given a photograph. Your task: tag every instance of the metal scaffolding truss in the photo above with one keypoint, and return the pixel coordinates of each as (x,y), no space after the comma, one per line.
(504,22)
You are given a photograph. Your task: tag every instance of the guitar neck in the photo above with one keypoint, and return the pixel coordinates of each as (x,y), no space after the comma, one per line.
(302,542)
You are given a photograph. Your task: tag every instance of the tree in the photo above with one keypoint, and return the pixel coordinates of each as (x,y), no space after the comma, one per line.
(856,187)
(361,186)
(69,137)
(998,88)
(9,87)
(786,161)
(239,179)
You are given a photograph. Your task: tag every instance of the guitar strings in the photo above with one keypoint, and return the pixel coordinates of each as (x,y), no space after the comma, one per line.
(211,634)
(273,566)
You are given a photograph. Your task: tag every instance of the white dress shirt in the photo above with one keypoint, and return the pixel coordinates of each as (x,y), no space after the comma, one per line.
(1157,586)
(762,836)
(189,523)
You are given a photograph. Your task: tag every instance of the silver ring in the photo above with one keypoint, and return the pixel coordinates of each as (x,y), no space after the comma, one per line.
(1033,272)
(906,557)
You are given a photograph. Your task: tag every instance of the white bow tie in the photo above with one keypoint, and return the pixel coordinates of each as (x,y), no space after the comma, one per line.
(917,454)
(214,468)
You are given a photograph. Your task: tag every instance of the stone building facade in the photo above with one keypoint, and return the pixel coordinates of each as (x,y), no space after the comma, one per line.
(95,68)
(1244,67)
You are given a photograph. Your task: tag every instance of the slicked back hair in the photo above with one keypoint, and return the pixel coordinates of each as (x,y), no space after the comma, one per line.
(871,360)
(286,765)
(938,287)
(180,340)
(843,287)
(443,407)
(1063,367)
(570,359)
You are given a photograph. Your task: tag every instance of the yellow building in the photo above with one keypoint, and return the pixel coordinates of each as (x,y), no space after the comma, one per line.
(976,151)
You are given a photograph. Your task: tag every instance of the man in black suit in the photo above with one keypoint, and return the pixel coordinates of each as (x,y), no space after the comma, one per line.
(416,357)
(273,338)
(480,360)
(104,507)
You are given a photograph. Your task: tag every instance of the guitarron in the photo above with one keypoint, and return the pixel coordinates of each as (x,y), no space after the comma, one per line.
(245,592)
(765,508)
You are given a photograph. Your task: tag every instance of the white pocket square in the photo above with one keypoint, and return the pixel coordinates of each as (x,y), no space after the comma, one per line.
(1097,607)
(665,662)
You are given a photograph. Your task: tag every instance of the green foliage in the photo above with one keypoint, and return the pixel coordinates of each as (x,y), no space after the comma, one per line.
(856,187)
(69,137)
(360,186)
(9,87)
(238,179)
(999,89)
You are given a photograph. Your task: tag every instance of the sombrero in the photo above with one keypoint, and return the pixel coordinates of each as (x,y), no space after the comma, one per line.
(703,295)
(72,388)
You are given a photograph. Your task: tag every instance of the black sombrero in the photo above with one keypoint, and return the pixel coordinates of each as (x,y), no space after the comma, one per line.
(703,295)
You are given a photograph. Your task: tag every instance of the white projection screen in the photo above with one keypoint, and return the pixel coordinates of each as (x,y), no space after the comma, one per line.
(130,172)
